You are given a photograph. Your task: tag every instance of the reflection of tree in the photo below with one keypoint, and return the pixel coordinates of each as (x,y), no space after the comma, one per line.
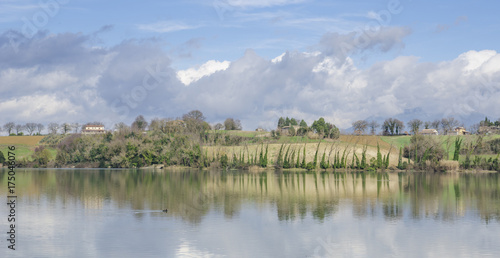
(190,195)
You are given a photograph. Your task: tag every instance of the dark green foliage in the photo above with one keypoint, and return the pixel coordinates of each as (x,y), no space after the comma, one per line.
(379,157)
(2,158)
(363,158)
(41,155)
(279,160)
(297,165)
(400,159)
(458,144)
(286,161)
(292,159)
(315,162)
(323,164)
(303,164)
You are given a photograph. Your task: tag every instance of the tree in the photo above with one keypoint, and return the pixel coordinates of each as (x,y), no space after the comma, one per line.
(53,128)
(76,127)
(281,122)
(218,126)
(9,127)
(448,124)
(30,127)
(303,123)
(139,123)
(66,128)
(474,129)
(195,121)
(194,114)
(232,124)
(39,128)
(122,127)
(427,124)
(319,126)
(19,129)
(293,121)
(360,126)
(435,124)
(388,126)
(414,125)
(399,126)
(2,158)
(373,126)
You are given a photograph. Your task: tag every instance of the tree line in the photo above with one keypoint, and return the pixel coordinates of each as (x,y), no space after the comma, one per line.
(393,126)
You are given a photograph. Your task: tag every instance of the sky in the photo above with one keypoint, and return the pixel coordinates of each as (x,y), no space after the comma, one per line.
(253,60)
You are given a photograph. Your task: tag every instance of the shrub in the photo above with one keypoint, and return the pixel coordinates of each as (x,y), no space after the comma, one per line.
(448,165)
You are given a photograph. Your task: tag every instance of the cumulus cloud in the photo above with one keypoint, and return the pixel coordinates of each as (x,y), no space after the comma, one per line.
(193,74)
(62,78)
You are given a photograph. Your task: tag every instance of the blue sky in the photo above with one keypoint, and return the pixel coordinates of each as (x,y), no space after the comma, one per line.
(213,46)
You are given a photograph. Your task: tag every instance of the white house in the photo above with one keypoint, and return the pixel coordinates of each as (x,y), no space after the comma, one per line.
(93,129)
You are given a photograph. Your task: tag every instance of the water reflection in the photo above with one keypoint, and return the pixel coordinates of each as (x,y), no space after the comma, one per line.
(191,195)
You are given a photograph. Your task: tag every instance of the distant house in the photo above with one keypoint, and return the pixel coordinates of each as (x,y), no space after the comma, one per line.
(461,131)
(489,130)
(429,132)
(286,129)
(260,129)
(93,129)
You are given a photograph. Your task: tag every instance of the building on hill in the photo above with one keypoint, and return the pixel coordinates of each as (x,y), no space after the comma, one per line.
(461,131)
(489,130)
(429,132)
(93,129)
(286,129)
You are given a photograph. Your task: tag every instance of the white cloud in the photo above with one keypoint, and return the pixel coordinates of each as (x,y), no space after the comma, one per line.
(80,84)
(194,74)
(166,26)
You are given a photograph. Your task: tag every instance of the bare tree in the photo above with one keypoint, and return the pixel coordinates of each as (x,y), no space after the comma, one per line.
(427,124)
(140,123)
(66,128)
(414,125)
(30,127)
(448,124)
(218,126)
(9,127)
(373,126)
(19,129)
(194,114)
(474,129)
(232,124)
(53,128)
(435,124)
(76,127)
(39,128)
(360,126)
(399,126)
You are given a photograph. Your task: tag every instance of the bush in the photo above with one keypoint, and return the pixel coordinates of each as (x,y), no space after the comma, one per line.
(2,158)
(448,165)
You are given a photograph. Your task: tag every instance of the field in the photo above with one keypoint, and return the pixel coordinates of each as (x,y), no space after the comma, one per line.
(20,140)
(25,146)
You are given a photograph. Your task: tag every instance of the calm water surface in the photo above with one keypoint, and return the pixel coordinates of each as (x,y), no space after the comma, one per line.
(118,213)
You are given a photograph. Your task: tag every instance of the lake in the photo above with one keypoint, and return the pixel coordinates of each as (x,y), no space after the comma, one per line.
(118,213)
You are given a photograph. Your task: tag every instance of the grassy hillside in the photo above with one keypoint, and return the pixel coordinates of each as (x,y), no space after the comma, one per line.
(25,146)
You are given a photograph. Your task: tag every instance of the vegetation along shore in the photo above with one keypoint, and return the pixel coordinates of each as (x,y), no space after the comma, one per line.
(191,142)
